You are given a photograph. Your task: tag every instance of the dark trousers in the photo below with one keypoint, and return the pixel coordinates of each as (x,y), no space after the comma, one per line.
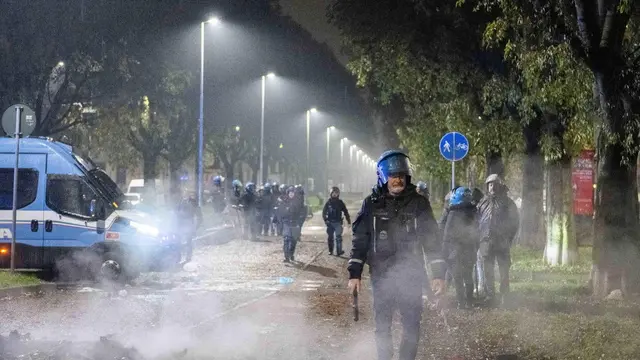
(404,294)
(462,270)
(188,245)
(265,225)
(334,232)
(291,236)
(490,254)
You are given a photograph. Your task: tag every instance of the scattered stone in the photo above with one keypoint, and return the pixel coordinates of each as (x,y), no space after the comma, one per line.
(615,295)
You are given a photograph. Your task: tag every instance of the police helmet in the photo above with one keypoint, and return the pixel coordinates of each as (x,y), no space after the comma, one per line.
(299,190)
(267,186)
(393,162)
(283,188)
(250,187)
(217,180)
(422,186)
(461,195)
(275,185)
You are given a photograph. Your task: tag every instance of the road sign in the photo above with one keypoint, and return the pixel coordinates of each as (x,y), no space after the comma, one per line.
(454,146)
(27,120)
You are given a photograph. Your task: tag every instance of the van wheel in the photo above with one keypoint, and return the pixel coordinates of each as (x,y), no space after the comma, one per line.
(111,268)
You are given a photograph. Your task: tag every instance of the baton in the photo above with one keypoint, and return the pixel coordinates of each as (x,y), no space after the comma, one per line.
(356,310)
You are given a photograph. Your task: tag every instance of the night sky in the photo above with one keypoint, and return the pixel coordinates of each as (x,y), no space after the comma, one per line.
(311,14)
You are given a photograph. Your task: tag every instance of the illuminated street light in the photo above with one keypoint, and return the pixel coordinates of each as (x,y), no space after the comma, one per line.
(214,21)
(237,128)
(264,87)
(309,112)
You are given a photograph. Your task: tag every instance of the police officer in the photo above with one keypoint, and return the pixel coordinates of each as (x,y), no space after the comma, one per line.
(290,215)
(248,202)
(217,195)
(461,242)
(393,228)
(332,215)
(190,217)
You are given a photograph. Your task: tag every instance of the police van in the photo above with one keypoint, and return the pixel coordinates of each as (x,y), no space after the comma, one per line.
(72,217)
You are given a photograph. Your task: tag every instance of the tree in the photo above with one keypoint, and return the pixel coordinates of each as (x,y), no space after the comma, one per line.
(55,60)
(229,146)
(602,36)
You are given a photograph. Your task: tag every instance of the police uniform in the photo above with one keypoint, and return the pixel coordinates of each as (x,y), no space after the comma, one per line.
(390,234)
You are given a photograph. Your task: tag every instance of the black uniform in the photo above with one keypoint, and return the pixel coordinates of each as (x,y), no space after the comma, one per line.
(390,234)
(460,228)
(332,215)
(290,216)
(248,202)
(190,217)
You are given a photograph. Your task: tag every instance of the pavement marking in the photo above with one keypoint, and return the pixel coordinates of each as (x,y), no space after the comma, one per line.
(233,309)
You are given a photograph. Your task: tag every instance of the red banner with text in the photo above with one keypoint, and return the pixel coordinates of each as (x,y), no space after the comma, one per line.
(582,178)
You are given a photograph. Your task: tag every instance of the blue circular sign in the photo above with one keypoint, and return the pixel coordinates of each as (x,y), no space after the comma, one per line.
(454,146)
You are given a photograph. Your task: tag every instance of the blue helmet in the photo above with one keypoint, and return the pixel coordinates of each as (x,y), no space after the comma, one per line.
(250,187)
(237,184)
(267,186)
(461,195)
(422,186)
(392,162)
(217,180)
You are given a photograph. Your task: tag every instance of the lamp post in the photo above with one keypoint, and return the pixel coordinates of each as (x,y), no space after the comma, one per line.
(326,170)
(201,118)
(264,87)
(312,110)
(358,179)
(351,167)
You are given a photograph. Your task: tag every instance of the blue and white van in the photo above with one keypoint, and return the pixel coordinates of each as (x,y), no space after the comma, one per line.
(70,212)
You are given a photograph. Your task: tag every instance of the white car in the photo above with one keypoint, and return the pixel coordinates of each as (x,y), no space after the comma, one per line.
(133,198)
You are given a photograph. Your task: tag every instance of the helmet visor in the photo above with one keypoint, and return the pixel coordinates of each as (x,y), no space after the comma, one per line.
(396,165)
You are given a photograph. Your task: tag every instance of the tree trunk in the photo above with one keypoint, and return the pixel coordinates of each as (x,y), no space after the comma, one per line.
(532,231)
(495,165)
(562,246)
(176,189)
(150,173)
(615,254)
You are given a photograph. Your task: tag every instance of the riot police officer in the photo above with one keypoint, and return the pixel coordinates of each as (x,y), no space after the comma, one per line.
(290,215)
(190,217)
(393,228)
(217,195)
(248,202)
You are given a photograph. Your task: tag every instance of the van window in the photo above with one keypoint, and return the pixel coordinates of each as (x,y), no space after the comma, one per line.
(27,188)
(70,195)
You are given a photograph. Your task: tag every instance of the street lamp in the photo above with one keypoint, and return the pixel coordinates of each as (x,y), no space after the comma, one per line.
(264,86)
(342,141)
(214,21)
(326,170)
(312,110)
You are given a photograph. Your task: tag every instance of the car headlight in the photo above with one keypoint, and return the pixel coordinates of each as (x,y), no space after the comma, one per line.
(145,229)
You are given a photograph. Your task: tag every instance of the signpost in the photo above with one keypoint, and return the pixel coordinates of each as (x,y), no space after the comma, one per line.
(454,146)
(25,120)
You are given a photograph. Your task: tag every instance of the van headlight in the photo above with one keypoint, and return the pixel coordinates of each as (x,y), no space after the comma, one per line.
(145,229)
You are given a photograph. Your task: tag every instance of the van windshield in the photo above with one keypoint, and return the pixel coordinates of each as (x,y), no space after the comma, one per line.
(100,179)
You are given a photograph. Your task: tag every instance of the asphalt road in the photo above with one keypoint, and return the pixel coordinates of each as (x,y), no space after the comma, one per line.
(237,299)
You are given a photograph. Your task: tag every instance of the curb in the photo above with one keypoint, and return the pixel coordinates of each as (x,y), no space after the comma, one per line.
(45,288)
